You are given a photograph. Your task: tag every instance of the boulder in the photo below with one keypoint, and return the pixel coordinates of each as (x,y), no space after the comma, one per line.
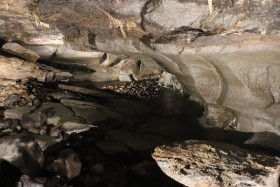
(206,163)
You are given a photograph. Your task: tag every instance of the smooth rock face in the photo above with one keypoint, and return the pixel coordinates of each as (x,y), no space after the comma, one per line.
(202,163)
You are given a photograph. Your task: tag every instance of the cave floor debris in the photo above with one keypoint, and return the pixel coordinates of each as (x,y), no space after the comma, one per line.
(80,133)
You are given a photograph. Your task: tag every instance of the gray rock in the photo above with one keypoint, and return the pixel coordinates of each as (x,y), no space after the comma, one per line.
(27,181)
(22,151)
(60,96)
(67,164)
(104,77)
(91,57)
(144,169)
(55,132)
(73,127)
(13,93)
(17,112)
(33,130)
(86,91)
(91,112)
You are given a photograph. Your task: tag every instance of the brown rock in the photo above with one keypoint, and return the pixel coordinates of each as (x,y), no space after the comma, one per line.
(213,164)
(18,50)
(20,69)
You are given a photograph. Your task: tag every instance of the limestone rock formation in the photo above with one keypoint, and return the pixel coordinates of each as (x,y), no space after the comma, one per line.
(204,163)
(226,55)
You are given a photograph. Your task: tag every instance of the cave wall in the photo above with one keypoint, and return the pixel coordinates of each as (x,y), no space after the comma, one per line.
(228,57)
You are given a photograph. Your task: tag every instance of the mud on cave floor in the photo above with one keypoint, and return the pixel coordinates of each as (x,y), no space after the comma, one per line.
(130,120)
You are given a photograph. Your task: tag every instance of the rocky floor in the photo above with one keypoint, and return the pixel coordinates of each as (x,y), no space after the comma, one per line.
(70,135)
(60,128)
(81,134)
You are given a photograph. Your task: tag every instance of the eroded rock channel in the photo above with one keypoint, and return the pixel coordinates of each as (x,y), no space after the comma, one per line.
(139,93)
